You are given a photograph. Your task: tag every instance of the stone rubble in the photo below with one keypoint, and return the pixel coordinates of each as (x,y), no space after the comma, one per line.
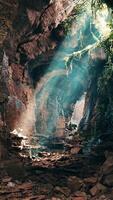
(40,184)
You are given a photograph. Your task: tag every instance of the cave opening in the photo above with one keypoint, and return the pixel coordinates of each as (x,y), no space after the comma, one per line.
(56,100)
(62,82)
(58,109)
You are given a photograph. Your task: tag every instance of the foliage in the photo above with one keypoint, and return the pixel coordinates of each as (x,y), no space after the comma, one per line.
(67,24)
(105,88)
(98,3)
(107,44)
(104,107)
(106,78)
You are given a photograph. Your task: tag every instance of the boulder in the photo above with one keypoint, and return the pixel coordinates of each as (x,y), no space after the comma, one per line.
(107,167)
(91,180)
(63,190)
(108,180)
(11,185)
(97,189)
(78,198)
(55,198)
(75,150)
(6,179)
(79,195)
(74,183)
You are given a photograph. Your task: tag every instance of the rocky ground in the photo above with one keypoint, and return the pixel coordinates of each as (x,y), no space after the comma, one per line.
(26,32)
(63,175)
(24,182)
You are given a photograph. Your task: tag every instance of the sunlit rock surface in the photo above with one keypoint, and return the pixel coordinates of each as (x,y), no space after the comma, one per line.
(82,180)
(63,171)
(25,32)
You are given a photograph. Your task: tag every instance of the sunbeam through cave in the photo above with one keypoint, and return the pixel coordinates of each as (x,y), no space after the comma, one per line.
(61,87)
(58,105)
(56,99)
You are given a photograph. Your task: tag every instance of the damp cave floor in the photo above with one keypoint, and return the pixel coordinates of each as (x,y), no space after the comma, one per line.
(53,176)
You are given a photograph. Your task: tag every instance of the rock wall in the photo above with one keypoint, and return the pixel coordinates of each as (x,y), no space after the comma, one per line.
(94,122)
(25,34)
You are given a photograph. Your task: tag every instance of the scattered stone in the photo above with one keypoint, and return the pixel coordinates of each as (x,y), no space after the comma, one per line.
(38,197)
(81,194)
(103,197)
(42,189)
(55,198)
(63,190)
(6,179)
(75,150)
(11,185)
(78,198)
(108,180)
(107,167)
(74,183)
(90,180)
(98,188)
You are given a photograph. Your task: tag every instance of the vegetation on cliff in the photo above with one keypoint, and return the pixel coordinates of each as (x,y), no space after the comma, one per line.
(101,118)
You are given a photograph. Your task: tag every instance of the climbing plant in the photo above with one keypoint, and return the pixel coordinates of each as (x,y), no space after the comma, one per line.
(77,10)
(104,107)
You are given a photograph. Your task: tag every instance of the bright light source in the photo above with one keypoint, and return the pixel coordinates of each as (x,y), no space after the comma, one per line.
(55,87)
(102,21)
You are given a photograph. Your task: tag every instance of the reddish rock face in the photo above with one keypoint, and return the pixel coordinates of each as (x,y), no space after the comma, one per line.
(79,198)
(26,35)
(14,109)
(43,23)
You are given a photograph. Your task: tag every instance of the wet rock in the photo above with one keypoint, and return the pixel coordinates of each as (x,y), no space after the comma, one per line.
(98,188)
(43,23)
(52,160)
(75,150)
(6,179)
(19,143)
(3,97)
(74,183)
(63,190)
(42,189)
(107,167)
(108,180)
(14,109)
(1,123)
(81,194)
(11,185)
(78,198)
(90,181)
(103,197)
(3,151)
(27,35)
(107,170)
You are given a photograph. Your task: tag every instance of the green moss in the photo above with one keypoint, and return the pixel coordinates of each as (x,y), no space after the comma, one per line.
(67,24)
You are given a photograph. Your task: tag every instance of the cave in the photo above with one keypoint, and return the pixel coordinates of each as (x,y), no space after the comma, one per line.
(56,101)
